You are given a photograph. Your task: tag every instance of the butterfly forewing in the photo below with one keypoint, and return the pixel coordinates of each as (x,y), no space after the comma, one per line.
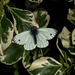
(21,38)
(48,33)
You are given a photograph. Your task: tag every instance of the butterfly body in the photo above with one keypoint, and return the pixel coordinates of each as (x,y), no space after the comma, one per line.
(35,37)
(34,32)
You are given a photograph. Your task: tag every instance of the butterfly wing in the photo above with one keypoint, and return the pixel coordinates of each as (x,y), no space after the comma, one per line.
(41,41)
(48,33)
(30,45)
(21,38)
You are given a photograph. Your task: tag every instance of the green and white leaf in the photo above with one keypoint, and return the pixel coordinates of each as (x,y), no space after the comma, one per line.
(36,1)
(1,12)
(63,42)
(45,66)
(64,36)
(12,54)
(1,16)
(73,37)
(26,59)
(42,17)
(30,5)
(68,0)
(71,50)
(23,19)
(31,55)
(7,32)
(5,2)
(71,15)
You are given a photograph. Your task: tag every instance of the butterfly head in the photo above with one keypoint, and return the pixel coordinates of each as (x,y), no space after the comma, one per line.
(33,28)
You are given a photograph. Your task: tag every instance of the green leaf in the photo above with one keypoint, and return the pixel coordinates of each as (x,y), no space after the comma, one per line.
(36,1)
(30,5)
(23,19)
(30,56)
(26,59)
(45,66)
(5,2)
(42,17)
(7,32)
(45,51)
(1,12)
(71,70)
(12,54)
(71,50)
(1,52)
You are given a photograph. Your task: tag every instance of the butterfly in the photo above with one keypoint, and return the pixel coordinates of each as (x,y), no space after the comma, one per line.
(36,37)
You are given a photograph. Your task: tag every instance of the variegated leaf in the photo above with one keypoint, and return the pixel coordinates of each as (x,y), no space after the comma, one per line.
(30,5)
(5,2)
(73,37)
(68,0)
(1,12)
(71,15)
(23,19)
(30,56)
(12,54)
(45,66)
(1,16)
(64,36)
(63,42)
(36,1)
(7,33)
(26,59)
(42,17)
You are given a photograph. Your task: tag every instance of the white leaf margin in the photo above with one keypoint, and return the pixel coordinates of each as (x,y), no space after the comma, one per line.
(43,12)
(69,16)
(10,37)
(36,1)
(34,23)
(37,64)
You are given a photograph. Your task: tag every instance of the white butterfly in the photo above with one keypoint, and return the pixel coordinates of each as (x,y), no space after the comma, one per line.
(35,37)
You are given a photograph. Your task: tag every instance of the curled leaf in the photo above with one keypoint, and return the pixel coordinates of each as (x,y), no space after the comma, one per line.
(64,36)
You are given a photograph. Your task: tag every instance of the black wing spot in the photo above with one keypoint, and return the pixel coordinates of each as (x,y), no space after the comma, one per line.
(51,34)
(19,40)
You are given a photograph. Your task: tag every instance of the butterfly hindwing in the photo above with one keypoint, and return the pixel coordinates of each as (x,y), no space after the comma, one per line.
(21,38)
(30,45)
(41,41)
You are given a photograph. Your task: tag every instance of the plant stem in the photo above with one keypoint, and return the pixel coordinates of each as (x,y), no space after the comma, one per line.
(16,69)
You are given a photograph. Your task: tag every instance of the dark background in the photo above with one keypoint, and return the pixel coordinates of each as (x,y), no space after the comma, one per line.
(58,11)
